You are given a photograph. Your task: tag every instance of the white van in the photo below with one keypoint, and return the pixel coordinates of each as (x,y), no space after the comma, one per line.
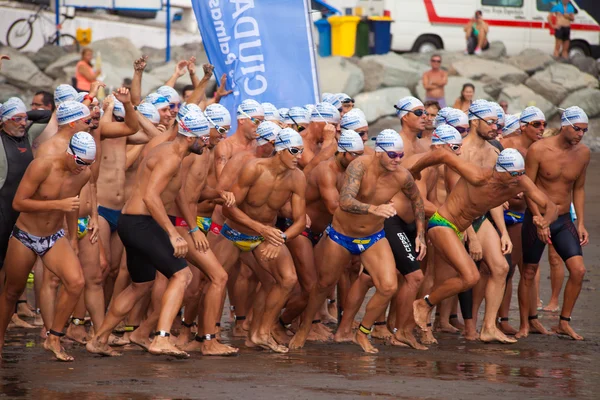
(426,25)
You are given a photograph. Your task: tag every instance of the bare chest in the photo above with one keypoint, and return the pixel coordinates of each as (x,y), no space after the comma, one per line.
(269,190)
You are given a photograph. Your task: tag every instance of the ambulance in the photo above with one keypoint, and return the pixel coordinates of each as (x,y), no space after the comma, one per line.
(427,25)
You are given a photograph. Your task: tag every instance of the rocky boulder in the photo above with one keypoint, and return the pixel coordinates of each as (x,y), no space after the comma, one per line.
(56,69)
(47,55)
(7,91)
(558,80)
(496,51)
(117,51)
(384,123)
(391,70)
(339,75)
(519,97)
(476,68)
(531,60)
(592,138)
(380,103)
(20,71)
(588,99)
(586,64)
(454,87)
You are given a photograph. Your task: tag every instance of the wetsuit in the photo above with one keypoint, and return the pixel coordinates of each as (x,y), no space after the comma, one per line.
(563,235)
(15,156)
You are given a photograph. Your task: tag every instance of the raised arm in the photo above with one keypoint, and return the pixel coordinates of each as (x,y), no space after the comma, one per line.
(180,69)
(472,173)
(136,83)
(199,92)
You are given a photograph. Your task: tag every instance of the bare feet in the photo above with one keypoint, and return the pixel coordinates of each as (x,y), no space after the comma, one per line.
(163,346)
(406,337)
(280,334)
(523,332)
(506,328)
(183,339)
(268,341)
(455,322)
(535,326)
(343,337)
(137,339)
(114,340)
(470,335)
(427,337)
(238,330)
(120,328)
(446,328)
(16,322)
(324,332)
(551,307)
(23,310)
(248,343)
(214,348)
(363,341)
(395,342)
(494,335)
(381,332)
(422,313)
(77,333)
(95,347)
(38,321)
(298,340)
(52,344)
(563,328)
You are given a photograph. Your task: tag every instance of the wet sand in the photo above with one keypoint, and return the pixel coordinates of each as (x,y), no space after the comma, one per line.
(534,368)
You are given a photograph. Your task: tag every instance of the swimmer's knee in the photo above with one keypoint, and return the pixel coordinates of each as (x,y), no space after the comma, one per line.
(500,269)
(220,278)
(75,285)
(470,279)
(184,276)
(528,273)
(388,288)
(414,279)
(577,273)
(288,281)
(13,293)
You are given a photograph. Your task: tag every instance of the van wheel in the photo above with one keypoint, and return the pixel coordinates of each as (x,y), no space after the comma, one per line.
(427,44)
(579,47)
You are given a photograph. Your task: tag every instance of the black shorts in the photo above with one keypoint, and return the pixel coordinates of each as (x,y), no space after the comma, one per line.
(8,219)
(401,237)
(563,33)
(148,248)
(563,235)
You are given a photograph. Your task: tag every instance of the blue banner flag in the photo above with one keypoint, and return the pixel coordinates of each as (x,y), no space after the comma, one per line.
(264,46)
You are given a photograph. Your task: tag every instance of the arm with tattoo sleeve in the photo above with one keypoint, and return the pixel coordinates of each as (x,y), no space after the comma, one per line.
(350,188)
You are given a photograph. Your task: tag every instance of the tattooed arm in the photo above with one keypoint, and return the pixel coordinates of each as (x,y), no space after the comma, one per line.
(350,188)
(410,190)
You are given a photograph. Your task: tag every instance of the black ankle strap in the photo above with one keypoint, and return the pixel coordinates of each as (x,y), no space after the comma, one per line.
(503,319)
(55,333)
(316,321)
(568,319)
(453,316)
(330,301)
(240,317)
(429,324)
(379,323)
(218,324)
(364,329)
(532,317)
(188,325)
(162,333)
(204,338)
(21,301)
(283,324)
(426,298)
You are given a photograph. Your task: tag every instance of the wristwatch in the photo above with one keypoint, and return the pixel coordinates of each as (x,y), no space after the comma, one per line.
(284,236)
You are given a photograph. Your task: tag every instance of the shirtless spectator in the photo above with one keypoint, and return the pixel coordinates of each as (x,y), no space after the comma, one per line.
(434,81)
(476,34)
(560,18)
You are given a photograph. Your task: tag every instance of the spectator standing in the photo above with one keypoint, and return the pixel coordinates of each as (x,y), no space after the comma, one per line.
(84,71)
(560,18)
(435,80)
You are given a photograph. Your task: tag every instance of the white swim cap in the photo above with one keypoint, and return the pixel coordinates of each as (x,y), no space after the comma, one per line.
(388,140)
(217,114)
(119,109)
(350,141)
(157,100)
(186,108)
(194,124)
(510,160)
(170,93)
(266,132)
(353,119)
(82,145)
(407,104)
(271,112)
(531,114)
(299,114)
(451,116)
(11,107)
(80,96)
(250,107)
(288,138)
(441,116)
(309,107)
(333,99)
(325,112)
(70,111)
(64,93)
(150,112)
(574,115)
(445,134)
(499,113)
(343,97)
(483,109)
(511,124)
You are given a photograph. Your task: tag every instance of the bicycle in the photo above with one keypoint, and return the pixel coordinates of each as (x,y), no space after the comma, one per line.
(21,31)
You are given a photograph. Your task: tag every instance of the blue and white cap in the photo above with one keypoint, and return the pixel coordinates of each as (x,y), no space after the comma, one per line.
(511,124)
(12,107)
(441,116)
(83,145)
(186,108)
(150,112)
(510,160)
(531,114)
(288,138)
(81,95)
(283,111)
(350,141)
(451,116)
(157,100)
(388,140)
(499,113)
(271,112)
(194,124)
(64,93)
(333,99)
(483,109)
(118,109)
(217,114)
(170,93)
(343,97)
(70,111)
(445,134)
(309,107)
(407,104)
(299,114)
(266,132)
(250,107)
(325,112)
(353,119)
(573,115)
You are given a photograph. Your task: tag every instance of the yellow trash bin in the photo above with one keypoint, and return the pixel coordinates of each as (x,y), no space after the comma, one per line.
(343,34)
(84,36)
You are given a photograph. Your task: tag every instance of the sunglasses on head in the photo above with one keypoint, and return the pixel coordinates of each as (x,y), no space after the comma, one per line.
(537,124)
(79,160)
(295,151)
(392,154)
(418,113)
(298,127)
(348,101)
(219,129)
(18,120)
